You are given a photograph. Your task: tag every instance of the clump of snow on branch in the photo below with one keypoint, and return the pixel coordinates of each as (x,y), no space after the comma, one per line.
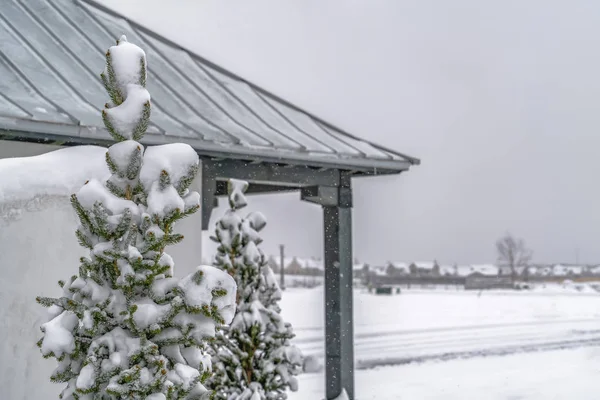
(253,358)
(124,328)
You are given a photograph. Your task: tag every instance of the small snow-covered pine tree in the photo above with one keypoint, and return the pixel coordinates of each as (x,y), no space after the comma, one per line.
(253,358)
(124,327)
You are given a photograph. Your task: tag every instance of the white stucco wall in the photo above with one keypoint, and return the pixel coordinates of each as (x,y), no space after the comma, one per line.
(188,254)
(36,250)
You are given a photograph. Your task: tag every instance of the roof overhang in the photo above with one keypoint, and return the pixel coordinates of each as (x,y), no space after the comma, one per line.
(68,135)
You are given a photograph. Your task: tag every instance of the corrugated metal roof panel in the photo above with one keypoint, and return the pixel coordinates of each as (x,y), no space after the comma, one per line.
(12,108)
(254,104)
(51,54)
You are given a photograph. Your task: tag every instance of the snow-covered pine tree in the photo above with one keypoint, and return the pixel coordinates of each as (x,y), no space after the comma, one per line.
(124,327)
(253,358)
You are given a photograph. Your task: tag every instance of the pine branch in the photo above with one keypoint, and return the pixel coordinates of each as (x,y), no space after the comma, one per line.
(169,240)
(116,190)
(185,181)
(111,128)
(112,166)
(100,220)
(81,213)
(111,83)
(143,73)
(198,277)
(83,240)
(47,301)
(61,377)
(164,180)
(190,211)
(142,125)
(124,223)
(135,163)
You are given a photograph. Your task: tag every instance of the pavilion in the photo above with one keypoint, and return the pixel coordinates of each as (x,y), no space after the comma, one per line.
(51,53)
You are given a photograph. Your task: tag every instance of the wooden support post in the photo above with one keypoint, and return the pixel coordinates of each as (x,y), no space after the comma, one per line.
(339,331)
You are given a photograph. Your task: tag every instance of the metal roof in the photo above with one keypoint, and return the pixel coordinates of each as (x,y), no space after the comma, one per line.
(51,54)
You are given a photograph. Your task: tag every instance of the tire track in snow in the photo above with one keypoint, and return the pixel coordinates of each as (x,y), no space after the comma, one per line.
(502,351)
(383,333)
(472,336)
(417,345)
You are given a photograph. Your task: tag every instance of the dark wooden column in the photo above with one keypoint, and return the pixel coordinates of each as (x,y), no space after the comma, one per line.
(339,330)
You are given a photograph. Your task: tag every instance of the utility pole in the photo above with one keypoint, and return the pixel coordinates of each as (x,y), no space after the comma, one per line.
(282,266)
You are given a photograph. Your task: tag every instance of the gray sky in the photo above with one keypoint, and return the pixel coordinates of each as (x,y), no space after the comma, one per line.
(498,98)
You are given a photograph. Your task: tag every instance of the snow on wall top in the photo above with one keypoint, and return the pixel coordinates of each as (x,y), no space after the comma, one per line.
(194,101)
(27,181)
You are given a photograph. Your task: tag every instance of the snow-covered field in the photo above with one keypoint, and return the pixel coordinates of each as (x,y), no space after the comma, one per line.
(446,344)
(557,375)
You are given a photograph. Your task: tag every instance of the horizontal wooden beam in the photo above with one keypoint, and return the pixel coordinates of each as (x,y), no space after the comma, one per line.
(294,176)
(255,188)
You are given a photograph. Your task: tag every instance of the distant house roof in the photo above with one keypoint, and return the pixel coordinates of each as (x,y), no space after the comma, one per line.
(447,269)
(400,265)
(425,264)
(51,54)
(562,270)
(483,269)
(311,263)
(545,271)
(379,270)
(358,266)
(595,269)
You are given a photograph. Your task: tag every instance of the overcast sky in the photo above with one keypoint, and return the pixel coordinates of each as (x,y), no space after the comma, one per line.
(499,99)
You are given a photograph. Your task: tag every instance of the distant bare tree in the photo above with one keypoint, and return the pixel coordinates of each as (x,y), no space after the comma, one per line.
(513,253)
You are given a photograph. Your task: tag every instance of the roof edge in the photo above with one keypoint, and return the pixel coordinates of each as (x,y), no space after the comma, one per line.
(41,131)
(148,31)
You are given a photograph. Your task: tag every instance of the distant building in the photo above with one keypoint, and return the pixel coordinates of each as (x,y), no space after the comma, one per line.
(485,269)
(506,270)
(540,270)
(449,270)
(312,266)
(468,269)
(360,271)
(397,269)
(425,268)
(594,270)
(297,266)
(378,270)
(479,281)
(275,262)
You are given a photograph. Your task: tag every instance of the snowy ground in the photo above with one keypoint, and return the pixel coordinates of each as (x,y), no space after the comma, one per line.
(560,374)
(446,344)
